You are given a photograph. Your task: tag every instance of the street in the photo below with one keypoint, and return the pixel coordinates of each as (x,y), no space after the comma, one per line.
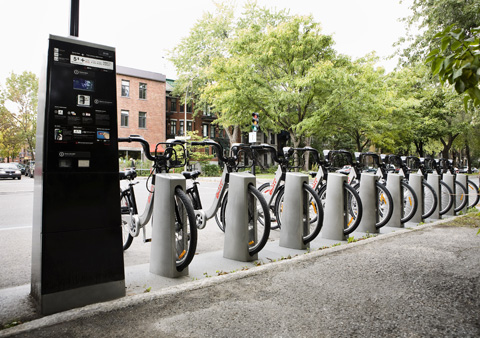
(16,212)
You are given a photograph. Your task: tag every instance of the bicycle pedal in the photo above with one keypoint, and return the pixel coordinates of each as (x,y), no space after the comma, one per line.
(147,240)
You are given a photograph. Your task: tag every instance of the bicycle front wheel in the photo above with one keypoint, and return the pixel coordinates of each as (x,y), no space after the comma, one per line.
(385,205)
(430,200)
(410,203)
(126,209)
(473,194)
(258,219)
(312,212)
(185,230)
(460,196)
(446,197)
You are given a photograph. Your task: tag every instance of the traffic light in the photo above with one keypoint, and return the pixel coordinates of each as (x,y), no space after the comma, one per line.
(255,122)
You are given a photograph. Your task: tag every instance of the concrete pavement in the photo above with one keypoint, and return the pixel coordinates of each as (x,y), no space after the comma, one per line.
(422,281)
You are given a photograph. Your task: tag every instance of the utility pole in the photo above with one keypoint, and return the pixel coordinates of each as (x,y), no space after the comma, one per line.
(74,17)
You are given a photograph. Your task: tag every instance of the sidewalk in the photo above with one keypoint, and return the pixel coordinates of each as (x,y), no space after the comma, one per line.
(419,282)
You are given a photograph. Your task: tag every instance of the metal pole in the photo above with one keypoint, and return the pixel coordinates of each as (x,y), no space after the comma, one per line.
(74,17)
(185,124)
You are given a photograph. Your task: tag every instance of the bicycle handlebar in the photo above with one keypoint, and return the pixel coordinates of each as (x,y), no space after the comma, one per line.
(142,141)
(167,154)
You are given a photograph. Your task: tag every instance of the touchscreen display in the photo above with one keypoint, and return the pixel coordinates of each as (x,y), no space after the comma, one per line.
(83,84)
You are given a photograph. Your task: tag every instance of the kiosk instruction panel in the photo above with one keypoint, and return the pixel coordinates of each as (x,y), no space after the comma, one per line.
(82,107)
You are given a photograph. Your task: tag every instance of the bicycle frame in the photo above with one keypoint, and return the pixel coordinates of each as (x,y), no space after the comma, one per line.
(139,221)
(202,215)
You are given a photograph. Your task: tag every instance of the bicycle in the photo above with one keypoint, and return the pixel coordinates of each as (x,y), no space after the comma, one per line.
(132,221)
(430,199)
(342,158)
(443,166)
(429,165)
(274,191)
(257,208)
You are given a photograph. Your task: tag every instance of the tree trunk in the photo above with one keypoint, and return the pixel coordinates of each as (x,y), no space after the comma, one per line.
(467,155)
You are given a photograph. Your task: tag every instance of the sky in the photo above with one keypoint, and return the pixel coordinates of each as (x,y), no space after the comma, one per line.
(143,31)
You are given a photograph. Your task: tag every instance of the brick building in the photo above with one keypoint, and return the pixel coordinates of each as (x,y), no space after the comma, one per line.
(201,122)
(140,108)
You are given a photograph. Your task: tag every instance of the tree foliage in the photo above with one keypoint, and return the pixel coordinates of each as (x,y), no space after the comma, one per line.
(21,92)
(457,60)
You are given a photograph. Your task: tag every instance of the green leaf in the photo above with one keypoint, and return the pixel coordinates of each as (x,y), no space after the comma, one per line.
(459,86)
(476,94)
(466,98)
(437,65)
(455,45)
(457,74)
(433,52)
(445,42)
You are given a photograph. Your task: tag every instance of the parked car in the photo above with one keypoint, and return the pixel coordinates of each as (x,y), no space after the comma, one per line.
(10,170)
(345,170)
(20,166)
(30,168)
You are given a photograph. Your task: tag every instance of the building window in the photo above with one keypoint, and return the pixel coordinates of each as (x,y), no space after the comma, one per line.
(173,127)
(124,118)
(189,125)
(173,104)
(125,88)
(205,130)
(212,131)
(142,91)
(180,130)
(142,120)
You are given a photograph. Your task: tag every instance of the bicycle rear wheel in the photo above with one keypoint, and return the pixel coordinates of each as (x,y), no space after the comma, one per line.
(312,212)
(461,195)
(185,230)
(126,210)
(473,194)
(446,197)
(410,203)
(263,189)
(258,219)
(430,200)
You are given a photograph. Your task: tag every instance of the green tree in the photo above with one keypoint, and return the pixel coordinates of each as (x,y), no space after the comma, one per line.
(457,60)
(355,106)
(21,91)
(210,40)
(279,71)
(430,17)
(10,136)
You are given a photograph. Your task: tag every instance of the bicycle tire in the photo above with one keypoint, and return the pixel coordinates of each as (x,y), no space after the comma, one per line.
(315,212)
(385,205)
(273,221)
(258,238)
(473,194)
(460,196)
(446,198)
(185,234)
(126,210)
(430,200)
(353,210)
(410,203)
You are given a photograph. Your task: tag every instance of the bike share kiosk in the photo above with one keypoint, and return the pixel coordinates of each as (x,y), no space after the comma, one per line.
(77,256)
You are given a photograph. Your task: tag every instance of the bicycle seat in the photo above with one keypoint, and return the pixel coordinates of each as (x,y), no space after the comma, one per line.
(128,174)
(191,174)
(312,173)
